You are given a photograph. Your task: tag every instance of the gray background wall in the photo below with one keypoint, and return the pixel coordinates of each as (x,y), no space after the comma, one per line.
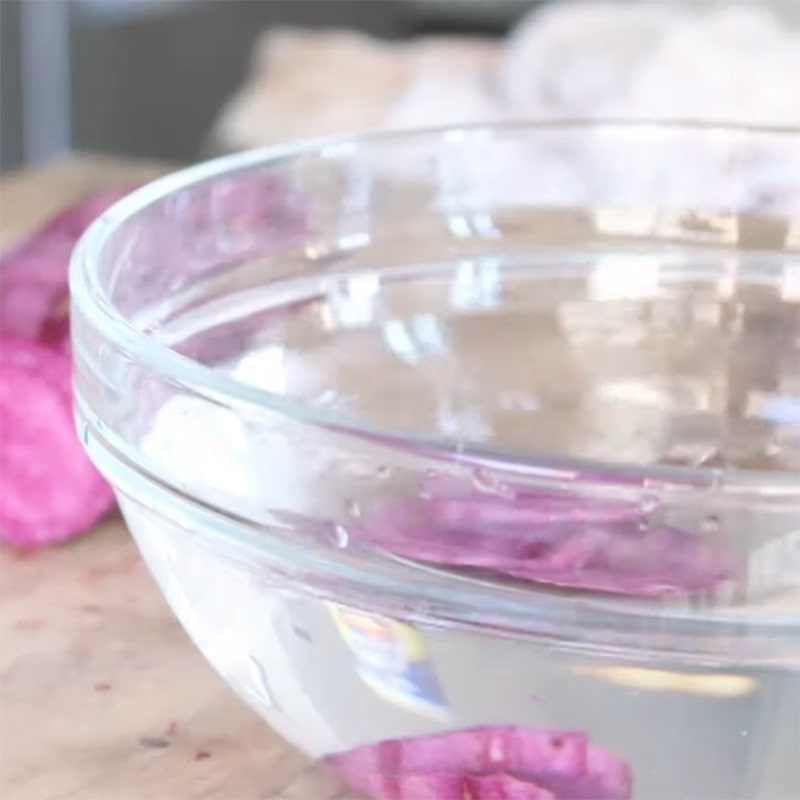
(147,77)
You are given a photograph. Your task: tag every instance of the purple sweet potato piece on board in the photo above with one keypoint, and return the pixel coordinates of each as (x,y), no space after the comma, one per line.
(549,537)
(51,491)
(486,763)
(33,273)
(50,488)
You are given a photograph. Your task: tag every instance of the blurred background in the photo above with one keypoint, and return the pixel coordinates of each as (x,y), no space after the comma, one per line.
(176,80)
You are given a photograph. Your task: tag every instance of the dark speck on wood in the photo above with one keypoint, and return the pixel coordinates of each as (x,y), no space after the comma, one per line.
(155,742)
(202,755)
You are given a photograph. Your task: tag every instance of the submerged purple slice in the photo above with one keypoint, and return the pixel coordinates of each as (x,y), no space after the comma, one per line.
(486,763)
(456,787)
(549,537)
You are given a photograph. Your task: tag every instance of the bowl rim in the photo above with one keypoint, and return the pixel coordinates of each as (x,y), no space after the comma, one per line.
(90,301)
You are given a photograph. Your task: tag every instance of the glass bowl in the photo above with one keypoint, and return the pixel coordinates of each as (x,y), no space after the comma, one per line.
(469,457)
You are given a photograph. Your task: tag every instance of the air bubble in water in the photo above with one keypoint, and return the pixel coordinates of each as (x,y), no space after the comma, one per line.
(484,480)
(353,508)
(710,524)
(429,477)
(326,399)
(260,687)
(649,503)
(341,536)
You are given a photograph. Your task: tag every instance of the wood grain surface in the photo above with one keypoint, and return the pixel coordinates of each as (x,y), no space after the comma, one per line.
(102,695)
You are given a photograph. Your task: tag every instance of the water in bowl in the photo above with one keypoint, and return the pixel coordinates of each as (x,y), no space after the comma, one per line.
(644,358)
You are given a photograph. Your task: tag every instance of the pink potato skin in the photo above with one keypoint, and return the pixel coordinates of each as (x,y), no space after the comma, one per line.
(33,273)
(51,490)
(503,762)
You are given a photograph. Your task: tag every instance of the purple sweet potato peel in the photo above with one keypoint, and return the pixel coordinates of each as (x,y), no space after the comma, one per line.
(33,274)
(486,763)
(50,488)
(51,491)
(550,537)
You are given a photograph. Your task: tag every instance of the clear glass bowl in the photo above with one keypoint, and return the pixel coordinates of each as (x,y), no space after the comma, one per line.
(477,444)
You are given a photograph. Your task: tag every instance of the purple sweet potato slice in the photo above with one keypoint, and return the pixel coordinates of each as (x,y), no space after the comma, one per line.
(486,763)
(549,537)
(33,274)
(50,488)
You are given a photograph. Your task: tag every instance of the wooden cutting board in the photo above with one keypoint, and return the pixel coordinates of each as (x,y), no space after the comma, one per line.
(102,695)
